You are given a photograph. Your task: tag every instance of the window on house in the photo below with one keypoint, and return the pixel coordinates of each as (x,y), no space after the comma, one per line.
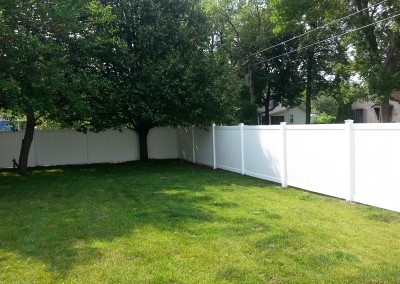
(391,113)
(378,113)
(275,120)
(359,116)
(291,119)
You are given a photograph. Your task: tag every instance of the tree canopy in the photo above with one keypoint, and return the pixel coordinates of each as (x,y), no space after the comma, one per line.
(43,77)
(140,64)
(163,71)
(111,64)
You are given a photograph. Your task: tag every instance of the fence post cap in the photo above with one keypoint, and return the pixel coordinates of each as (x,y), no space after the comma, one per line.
(349,121)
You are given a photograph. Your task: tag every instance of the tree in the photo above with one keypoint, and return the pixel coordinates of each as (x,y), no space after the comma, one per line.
(243,30)
(162,70)
(377,49)
(45,72)
(318,57)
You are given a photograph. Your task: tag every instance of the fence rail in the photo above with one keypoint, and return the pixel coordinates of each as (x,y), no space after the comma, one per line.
(356,162)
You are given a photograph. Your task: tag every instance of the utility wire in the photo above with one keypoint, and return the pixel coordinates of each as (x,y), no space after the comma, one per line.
(318,28)
(325,40)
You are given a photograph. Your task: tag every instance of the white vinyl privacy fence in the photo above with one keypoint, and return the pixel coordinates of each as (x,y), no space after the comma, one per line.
(356,162)
(65,147)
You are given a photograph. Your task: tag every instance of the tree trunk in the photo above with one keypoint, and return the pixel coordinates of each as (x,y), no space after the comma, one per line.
(143,132)
(250,82)
(310,58)
(26,144)
(386,111)
(266,105)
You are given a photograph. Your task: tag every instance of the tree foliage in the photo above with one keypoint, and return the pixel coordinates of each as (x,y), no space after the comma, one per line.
(376,49)
(243,30)
(111,64)
(320,59)
(162,70)
(140,64)
(44,66)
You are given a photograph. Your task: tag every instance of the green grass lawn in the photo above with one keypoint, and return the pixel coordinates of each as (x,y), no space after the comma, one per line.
(172,222)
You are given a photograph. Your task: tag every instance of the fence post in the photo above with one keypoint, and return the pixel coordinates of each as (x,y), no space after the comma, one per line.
(214,154)
(349,128)
(242,146)
(284,155)
(194,147)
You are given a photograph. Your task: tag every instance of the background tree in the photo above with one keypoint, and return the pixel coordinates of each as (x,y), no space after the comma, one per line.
(376,49)
(319,58)
(44,76)
(243,30)
(163,72)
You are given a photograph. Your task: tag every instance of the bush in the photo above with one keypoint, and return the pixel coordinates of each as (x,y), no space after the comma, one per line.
(324,118)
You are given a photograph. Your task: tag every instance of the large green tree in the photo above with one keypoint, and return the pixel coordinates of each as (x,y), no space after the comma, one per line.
(319,57)
(164,71)
(377,49)
(44,66)
(244,30)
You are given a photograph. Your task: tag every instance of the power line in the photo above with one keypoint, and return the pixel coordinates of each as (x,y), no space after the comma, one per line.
(318,28)
(325,40)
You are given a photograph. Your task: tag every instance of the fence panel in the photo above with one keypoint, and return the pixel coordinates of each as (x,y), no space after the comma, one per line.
(185,140)
(316,159)
(262,152)
(163,143)
(10,146)
(377,157)
(65,147)
(228,148)
(357,161)
(61,147)
(204,146)
(112,145)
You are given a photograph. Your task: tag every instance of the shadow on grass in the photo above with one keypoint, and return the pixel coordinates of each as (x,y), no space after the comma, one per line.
(53,214)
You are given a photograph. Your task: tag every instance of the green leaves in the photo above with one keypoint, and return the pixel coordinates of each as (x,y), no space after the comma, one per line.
(160,68)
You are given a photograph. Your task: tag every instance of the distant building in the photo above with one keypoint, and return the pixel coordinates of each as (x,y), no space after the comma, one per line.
(368,112)
(279,113)
(7,125)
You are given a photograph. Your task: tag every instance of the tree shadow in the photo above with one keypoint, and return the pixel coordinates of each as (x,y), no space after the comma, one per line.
(53,214)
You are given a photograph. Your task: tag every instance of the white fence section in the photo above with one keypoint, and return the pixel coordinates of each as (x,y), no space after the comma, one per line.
(203,149)
(376,171)
(316,159)
(262,152)
(354,162)
(65,147)
(228,141)
(162,143)
(10,145)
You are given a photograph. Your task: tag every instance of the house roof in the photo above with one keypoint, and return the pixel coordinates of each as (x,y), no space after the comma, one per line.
(395,97)
(278,109)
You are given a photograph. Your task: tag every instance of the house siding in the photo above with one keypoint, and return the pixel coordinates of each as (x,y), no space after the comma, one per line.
(299,116)
(369,112)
